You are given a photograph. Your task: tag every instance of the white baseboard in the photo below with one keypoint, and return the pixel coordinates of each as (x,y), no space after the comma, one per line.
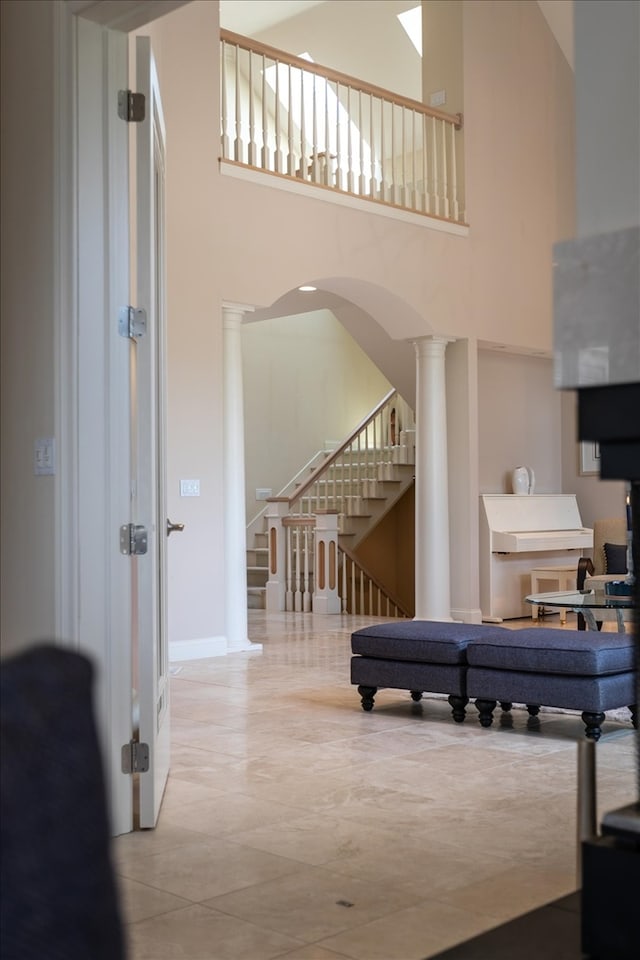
(472,615)
(197,649)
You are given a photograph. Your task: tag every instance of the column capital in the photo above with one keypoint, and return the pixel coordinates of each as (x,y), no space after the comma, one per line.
(235,312)
(431,346)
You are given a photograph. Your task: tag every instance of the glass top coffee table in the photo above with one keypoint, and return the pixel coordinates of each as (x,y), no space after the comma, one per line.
(587,602)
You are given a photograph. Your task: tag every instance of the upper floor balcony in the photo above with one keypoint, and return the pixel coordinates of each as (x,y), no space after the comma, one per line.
(294,119)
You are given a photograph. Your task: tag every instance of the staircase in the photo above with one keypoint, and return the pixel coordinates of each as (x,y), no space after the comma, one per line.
(360,481)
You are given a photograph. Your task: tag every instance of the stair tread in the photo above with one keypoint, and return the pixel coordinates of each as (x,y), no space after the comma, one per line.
(361,485)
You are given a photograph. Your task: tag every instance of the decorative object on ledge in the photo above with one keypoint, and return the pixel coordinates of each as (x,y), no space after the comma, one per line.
(523,481)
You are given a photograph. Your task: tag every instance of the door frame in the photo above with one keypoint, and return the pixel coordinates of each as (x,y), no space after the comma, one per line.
(91,277)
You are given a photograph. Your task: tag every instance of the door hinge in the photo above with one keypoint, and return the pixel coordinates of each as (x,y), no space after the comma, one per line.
(131,106)
(132,322)
(133,540)
(135,757)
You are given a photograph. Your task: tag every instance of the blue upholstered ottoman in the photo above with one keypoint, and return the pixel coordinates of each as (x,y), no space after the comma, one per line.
(588,671)
(416,655)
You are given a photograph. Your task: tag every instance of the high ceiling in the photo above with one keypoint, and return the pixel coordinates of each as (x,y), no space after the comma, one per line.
(251,16)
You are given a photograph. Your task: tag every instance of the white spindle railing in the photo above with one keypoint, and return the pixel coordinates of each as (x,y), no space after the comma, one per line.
(382,439)
(362,593)
(338,132)
(341,583)
(308,570)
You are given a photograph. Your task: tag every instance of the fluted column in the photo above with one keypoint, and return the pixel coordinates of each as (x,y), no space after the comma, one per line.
(433,592)
(235,529)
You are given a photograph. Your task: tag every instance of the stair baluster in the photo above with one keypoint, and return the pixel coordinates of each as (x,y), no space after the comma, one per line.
(355,484)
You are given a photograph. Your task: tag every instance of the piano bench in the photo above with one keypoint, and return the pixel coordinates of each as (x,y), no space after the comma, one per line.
(569,669)
(561,578)
(422,656)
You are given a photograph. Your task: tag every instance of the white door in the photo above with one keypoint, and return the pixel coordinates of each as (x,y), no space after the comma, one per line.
(116,447)
(97,407)
(150,647)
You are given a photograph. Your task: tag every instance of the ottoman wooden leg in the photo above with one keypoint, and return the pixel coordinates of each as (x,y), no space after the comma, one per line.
(367,694)
(633,707)
(533,709)
(416,695)
(458,705)
(485,709)
(592,722)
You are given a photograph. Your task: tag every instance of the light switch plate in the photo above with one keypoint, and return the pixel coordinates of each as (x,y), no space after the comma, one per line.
(44,457)
(189,488)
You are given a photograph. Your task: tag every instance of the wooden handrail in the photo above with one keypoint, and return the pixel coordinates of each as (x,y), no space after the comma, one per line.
(299,520)
(263,49)
(340,450)
(374,580)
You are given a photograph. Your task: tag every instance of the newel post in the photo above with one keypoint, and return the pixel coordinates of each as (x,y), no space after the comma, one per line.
(325,594)
(276,545)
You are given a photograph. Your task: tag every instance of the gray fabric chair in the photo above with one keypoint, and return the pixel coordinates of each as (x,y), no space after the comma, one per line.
(59,896)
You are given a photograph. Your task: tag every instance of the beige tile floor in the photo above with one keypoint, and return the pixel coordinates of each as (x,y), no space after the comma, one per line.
(296,825)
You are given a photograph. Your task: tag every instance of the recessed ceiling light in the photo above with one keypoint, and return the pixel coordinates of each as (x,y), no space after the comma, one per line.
(307,289)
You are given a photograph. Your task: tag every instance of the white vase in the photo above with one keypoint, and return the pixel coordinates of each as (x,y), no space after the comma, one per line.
(522,481)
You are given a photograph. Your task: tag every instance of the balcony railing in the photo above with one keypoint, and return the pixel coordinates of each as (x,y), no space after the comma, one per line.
(292,118)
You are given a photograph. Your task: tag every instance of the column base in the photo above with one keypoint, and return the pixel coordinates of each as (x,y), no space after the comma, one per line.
(243,646)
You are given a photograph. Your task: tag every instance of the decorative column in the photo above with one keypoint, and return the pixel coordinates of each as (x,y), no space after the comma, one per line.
(276,584)
(235,528)
(325,593)
(433,596)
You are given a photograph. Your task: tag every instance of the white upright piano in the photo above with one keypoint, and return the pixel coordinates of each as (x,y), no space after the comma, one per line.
(517,534)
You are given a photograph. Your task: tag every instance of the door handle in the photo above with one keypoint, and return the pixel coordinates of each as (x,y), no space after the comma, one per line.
(174,527)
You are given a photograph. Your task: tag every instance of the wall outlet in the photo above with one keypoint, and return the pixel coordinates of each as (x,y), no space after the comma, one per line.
(189,488)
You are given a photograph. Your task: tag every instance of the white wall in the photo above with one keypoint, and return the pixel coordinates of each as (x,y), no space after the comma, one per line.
(519,164)
(364,40)
(497,286)
(306,383)
(28,377)
(520,419)
(185,45)
(494,285)
(252,243)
